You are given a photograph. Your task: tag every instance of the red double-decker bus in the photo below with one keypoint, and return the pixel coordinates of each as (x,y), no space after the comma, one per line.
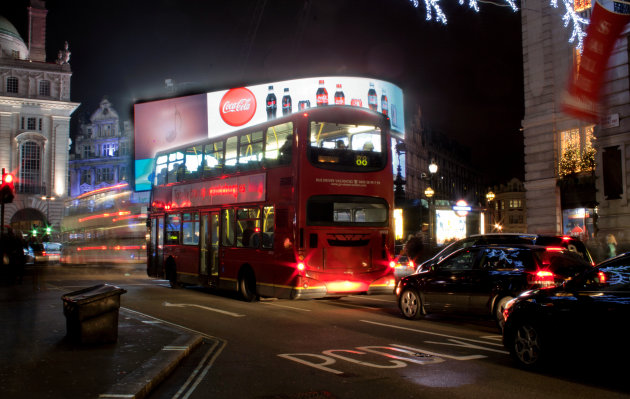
(298,207)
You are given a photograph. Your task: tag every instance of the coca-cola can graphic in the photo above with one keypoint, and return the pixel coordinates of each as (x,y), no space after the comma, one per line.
(302,105)
(356,102)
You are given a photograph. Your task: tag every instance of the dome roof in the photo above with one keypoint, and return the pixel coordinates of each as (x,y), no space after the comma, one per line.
(7,28)
(10,40)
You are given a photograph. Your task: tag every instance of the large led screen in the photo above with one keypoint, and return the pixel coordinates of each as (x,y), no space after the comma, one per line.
(162,124)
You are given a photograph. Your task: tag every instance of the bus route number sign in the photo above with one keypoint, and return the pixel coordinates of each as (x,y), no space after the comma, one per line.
(361,160)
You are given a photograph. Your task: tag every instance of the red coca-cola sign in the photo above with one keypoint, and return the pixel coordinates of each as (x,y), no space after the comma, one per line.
(237,107)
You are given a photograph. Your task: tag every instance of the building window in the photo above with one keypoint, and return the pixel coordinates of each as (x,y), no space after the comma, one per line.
(15,54)
(87,150)
(12,85)
(31,123)
(30,165)
(104,175)
(86,177)
(109,149)
(577,153)
(44,88)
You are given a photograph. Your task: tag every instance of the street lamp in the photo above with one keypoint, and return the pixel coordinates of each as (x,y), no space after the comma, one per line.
(429,192)
(490,198)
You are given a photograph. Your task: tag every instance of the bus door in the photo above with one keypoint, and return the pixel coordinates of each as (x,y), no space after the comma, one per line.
(156,260)
(209,266)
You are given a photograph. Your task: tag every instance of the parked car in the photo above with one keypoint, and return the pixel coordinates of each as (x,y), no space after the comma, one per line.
(403,266)
(571,243)
(585,317)
(481,279)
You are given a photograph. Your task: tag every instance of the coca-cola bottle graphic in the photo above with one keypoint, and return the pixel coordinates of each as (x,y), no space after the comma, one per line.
(286,102)
(372,98)
(302,105)
(340,99)
(384,103)
(394,116)
(272,104)
(321,95)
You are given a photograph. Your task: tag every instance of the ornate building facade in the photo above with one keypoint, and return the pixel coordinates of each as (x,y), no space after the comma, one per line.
(35,110)
(575,172)
(102,152)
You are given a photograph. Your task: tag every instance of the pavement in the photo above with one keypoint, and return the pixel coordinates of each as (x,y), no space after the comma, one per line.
(39,360)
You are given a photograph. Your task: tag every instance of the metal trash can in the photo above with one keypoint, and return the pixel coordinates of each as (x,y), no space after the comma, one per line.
(92,314)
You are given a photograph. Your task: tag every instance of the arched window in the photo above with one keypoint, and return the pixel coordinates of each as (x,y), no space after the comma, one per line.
(30,168)
(12,84)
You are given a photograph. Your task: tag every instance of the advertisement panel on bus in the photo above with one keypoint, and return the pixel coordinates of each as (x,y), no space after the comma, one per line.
(161,124)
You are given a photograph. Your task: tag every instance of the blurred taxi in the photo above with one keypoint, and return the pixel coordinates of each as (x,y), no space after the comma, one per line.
(403,266)
(43,253)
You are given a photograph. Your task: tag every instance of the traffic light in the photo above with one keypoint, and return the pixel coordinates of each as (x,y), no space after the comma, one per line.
(7,190)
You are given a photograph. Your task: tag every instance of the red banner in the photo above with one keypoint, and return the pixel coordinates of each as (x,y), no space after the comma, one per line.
(582,98)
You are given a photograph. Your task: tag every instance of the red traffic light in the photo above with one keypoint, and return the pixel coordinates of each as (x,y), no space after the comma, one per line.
(7,190)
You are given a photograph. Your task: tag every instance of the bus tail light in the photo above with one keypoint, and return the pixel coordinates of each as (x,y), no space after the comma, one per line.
(300,266)
(392,264)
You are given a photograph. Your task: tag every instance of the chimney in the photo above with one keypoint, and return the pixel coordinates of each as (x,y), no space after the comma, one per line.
(37,30)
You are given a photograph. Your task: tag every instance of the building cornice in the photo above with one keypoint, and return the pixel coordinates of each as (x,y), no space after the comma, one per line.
(47,104)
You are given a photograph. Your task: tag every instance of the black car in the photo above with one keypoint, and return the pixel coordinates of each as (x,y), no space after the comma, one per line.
(481,279)
(571,243)
(587,317)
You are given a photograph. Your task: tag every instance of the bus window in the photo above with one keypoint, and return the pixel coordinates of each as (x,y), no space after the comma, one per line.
(248,227)
(175,166)
(330,210)
(231,154)
(227,227)
(279,144)
(193,163)
(160,170)
(190,229)
(354,148)
(213,163)
(268,226)
(250,151)
(173,224)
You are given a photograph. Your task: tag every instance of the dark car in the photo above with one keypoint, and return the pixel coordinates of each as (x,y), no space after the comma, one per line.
(571,243)
(587,317)
(481,279)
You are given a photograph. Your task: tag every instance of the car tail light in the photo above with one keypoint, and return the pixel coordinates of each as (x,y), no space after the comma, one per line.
(543,278)
(602,277)
(411,264)
(555,249)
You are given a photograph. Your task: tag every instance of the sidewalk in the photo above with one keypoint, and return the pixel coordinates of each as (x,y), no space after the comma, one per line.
(38,361)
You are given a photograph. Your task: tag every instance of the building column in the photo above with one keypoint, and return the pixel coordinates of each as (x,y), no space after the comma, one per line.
(544,213)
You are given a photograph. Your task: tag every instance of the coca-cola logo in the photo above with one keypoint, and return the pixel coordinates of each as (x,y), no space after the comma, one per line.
(237,107)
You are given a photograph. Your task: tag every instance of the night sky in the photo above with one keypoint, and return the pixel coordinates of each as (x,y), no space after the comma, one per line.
(466,76)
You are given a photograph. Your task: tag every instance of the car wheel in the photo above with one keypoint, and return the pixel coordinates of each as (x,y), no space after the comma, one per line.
(410,304)
(247,286)
(500,307)
(526,346)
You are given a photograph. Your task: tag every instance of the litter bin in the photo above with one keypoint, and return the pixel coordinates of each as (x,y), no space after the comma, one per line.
(92,314)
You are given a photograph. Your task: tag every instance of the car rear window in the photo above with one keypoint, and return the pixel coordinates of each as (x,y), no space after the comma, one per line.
(565,263)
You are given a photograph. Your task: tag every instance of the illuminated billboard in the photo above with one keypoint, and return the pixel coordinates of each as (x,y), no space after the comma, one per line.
(163,124)
(449,226)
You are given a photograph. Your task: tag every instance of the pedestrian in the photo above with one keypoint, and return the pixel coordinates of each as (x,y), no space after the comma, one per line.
(611,246)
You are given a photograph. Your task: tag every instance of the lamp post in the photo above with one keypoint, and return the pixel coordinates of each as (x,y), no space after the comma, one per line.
(490,198)
(48,198)
(429,193)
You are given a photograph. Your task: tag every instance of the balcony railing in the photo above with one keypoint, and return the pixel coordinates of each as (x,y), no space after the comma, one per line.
(30,189)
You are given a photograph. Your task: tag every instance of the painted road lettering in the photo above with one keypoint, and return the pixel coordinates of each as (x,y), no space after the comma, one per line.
(392,353)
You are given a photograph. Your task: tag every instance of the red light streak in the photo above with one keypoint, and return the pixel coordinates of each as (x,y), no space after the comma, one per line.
(99,190)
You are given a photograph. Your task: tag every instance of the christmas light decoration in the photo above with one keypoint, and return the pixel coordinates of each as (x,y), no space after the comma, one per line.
(571,16)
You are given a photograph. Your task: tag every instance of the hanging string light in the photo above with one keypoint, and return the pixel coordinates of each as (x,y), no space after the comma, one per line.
(570,17)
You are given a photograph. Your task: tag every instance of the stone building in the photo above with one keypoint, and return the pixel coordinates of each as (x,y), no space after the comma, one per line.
(507,209)
(575,172)
(102,152)
(35,111)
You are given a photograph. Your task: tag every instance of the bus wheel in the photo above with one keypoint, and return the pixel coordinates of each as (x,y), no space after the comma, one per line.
(247,285)
(171,273)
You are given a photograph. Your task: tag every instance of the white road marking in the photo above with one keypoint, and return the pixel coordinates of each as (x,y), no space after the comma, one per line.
(285,306)
(181,305)
(429,332)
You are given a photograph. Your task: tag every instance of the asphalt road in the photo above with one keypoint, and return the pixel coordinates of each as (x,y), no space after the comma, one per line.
(352,347)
